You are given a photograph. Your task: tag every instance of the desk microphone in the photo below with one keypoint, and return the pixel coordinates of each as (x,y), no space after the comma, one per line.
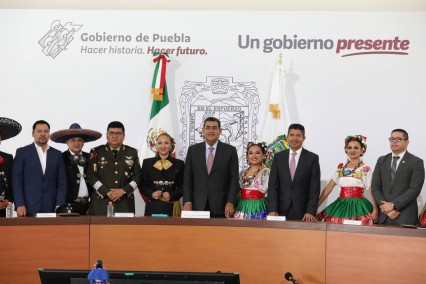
(289,277)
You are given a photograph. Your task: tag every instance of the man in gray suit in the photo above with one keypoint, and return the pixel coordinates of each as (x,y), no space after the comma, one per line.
(397,181)
(210,180)
(294,182)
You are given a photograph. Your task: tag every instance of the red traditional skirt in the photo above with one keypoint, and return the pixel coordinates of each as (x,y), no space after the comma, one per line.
(422,219)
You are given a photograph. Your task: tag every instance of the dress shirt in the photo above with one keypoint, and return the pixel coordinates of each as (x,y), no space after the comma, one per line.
(42,156)
(208,150)
(401,155)
(296,157)
(82,191)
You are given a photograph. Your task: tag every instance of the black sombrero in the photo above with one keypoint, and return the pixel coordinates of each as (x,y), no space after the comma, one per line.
(9,128)
(75,130)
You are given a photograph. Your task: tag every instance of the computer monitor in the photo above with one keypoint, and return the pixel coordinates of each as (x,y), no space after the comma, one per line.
(64,276)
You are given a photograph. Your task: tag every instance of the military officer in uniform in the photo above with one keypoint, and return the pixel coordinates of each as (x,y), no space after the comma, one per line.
(76,162)
(114,172)
(8,129)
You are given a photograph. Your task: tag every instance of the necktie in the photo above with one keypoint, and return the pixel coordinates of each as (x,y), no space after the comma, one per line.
(293,164)
(210,160)
(115,152)
(393,168)
(80,160)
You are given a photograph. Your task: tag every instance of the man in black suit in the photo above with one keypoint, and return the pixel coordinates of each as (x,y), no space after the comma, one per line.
(294,182)
(397,182)
(8,129)
(210,180)
(76,162)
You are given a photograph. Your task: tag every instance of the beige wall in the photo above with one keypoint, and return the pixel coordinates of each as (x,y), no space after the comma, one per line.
(254,5)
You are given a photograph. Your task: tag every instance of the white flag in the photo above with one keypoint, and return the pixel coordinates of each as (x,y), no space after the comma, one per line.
(277,118)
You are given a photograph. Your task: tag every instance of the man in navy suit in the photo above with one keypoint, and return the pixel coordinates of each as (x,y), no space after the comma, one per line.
(294,182)
(39,182)
(210,180)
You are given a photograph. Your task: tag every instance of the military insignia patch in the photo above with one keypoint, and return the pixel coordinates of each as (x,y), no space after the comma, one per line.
(103,162)
(129,161)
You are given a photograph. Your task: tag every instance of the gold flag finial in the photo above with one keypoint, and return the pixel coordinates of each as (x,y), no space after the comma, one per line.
(280,59)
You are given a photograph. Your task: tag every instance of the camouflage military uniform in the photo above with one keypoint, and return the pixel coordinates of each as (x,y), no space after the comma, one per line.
(107,171)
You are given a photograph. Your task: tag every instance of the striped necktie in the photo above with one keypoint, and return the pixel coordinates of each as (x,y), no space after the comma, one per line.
(393,168)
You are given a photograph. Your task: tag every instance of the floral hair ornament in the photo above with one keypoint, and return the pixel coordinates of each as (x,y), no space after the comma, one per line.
(361,139)
(262,146)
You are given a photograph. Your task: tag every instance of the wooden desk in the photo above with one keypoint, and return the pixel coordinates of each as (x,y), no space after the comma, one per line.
(31,243)
(375,254)
(260,251)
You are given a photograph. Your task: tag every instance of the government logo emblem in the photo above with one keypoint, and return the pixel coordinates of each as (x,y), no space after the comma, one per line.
(57,39)
(235,104)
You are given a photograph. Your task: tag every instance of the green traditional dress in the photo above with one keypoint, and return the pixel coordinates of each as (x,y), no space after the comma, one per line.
(252,202)
(351,204)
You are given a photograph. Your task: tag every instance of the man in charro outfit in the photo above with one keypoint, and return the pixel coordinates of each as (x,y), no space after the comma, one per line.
(76,163)
(114,172)
(8,129)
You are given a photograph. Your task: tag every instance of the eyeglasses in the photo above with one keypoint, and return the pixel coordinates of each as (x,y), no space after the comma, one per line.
(397,139)
(112,133)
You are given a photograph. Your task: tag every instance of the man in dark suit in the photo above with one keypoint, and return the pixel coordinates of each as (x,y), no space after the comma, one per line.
(397,182)
(294,182)
(8,129)
(210,180)
(76,162)
(114,172)
(39,182)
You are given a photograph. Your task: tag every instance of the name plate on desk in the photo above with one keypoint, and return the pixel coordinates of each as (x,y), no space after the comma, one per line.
(275,218)
(46,215)
(352,222)
(195,214)
(124,214)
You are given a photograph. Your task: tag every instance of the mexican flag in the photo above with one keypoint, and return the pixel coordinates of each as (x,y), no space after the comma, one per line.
(160,119)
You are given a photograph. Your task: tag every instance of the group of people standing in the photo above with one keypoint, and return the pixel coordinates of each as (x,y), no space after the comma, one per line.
(42,179)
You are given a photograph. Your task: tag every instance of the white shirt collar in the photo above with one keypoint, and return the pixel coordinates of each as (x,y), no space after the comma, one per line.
(72,153)
(298,151)
(38,148)
(400,155)
(214,145)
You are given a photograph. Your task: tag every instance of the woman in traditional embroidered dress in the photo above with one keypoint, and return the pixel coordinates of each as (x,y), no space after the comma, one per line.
(162,179)
(353,178)
(254,184)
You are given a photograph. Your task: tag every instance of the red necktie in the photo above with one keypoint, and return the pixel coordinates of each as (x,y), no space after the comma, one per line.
(210,160)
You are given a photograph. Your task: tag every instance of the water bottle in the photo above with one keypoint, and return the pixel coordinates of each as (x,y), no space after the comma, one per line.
(9,210)
(110,210)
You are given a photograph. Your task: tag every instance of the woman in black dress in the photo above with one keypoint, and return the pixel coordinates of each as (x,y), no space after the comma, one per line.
(162,179)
